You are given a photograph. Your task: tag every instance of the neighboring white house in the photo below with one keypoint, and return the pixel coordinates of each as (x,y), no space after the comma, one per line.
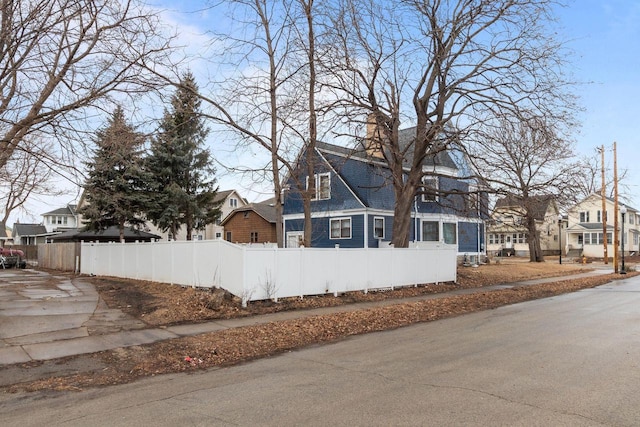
(507,233)
(62,219)
(585,230)
(29,234)
(231,200)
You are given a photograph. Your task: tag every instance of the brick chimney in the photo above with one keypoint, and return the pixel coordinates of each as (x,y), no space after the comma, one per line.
(372,143)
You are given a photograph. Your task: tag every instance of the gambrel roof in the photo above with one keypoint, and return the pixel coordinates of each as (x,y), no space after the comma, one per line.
(539,205)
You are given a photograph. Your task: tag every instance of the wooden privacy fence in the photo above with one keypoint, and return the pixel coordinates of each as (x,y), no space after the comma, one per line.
(59,256)
(258,273)
(30,251)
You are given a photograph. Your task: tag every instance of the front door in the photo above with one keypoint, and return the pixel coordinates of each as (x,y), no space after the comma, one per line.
(507,241)
(295,239)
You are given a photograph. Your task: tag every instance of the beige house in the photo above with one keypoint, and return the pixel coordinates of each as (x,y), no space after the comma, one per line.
(231,200)
(507,233)
(585,229)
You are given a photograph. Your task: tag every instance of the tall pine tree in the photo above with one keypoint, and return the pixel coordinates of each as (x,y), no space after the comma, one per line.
(115,189)
(183,185)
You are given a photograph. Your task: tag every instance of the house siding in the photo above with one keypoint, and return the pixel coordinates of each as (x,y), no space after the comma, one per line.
(388,228)
(321,231)
(341,197)
(241,228)
(468,237)
(369,182)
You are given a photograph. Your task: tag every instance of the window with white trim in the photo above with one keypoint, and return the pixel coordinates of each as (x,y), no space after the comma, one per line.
(378,228)
(449,232)
(233,202)
(340,228)
(430,189)
(584,216)
(595,238)
(430,231)
(322,183)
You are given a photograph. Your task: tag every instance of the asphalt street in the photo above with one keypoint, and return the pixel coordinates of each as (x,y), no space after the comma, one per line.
(570,360)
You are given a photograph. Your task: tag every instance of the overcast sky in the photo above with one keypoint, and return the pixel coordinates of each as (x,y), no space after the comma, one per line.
(605,38)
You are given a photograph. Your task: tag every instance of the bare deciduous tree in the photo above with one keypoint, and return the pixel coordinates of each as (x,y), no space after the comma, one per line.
(250,106)
(60,58)
(26,174)
(525,159)
(589,179)
(269,101)
(446,66)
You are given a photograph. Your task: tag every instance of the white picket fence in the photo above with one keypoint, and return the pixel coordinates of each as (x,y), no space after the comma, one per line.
(258,273)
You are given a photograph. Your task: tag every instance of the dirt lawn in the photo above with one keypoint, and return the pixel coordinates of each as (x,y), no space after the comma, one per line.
(161,305)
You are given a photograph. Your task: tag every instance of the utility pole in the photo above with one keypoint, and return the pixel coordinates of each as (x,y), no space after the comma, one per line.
(603,194)
(615,209)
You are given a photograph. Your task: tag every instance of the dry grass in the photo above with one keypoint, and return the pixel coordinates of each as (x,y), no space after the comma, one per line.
(241,344)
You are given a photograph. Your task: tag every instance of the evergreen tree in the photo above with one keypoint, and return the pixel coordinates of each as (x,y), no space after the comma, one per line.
(183,185)
(115,190)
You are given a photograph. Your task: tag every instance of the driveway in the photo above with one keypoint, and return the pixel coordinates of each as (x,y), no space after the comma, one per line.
(40,307)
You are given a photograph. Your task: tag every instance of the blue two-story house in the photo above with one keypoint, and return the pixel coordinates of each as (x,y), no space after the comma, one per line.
(354,201)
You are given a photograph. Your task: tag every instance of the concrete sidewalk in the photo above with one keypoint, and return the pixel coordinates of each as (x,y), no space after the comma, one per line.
(44,316)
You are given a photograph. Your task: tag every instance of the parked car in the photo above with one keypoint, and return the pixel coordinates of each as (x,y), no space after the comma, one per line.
(12,258)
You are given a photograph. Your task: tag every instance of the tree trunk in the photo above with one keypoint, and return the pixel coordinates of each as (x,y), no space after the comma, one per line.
(313,131)
(189,227)
(307,227)
(279,230)
(535,250)
(308,191)
(402,216)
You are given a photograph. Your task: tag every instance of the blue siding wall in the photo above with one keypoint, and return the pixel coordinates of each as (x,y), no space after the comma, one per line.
(468,237)
(341,197)
(321,234)
(388,226)
(369,182)
(449,203)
